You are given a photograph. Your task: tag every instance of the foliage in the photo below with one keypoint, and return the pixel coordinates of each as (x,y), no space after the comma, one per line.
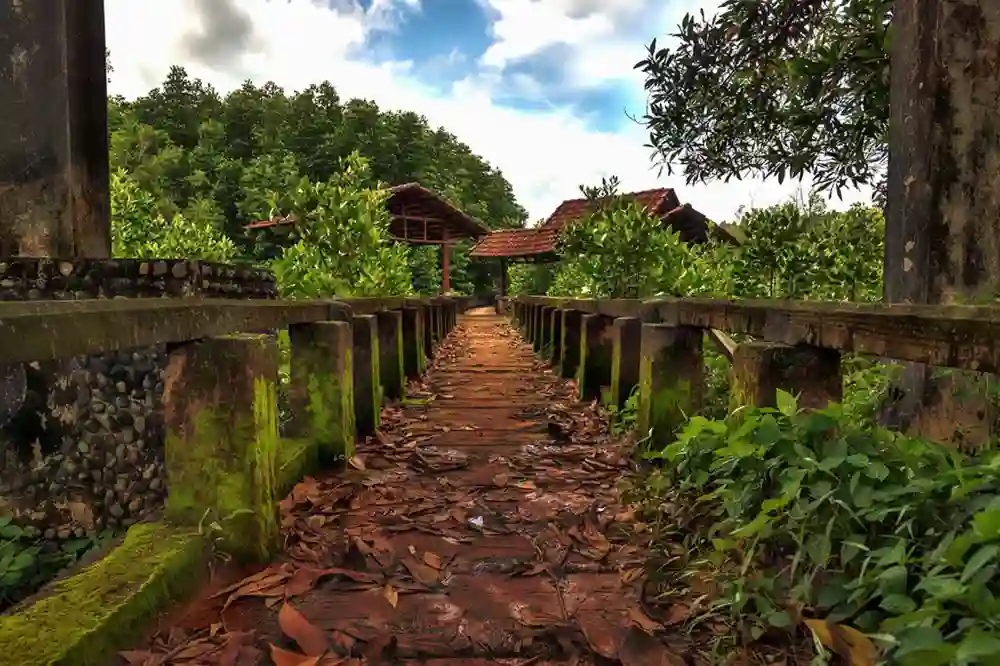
(227,160)
(139,231)
(343,246)
(537,279)
(774,88)
(817,513)
(26,564)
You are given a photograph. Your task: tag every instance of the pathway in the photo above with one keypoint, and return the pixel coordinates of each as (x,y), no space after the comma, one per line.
(481,526)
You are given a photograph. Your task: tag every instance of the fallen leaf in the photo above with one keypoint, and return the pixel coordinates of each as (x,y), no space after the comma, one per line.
(342,643)
(643,621)
(391,595)
(295,625)
(316,521)
(433,560)
(853,646)
(285,658)
(677,614)
(599,634)
(357,463)
(641,649)
(421,573)
(500,480)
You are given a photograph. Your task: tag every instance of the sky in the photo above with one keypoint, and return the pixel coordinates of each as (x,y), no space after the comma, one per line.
(541,89)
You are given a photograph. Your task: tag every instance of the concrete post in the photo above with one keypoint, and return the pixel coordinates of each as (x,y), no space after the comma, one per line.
(626,336)
(221,417)
(556,338)
(390,343)
(414,357)
(367,374)
(569,362)
(761,368)
(594,373)
(671,379)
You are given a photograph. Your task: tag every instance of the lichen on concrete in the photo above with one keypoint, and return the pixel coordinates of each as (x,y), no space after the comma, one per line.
(84,619)
(222,441)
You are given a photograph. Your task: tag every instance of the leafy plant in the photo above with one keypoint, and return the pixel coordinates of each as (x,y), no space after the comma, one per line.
(26,564)
(818,514)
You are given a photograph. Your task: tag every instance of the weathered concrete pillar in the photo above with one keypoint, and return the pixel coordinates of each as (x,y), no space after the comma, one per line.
(321,390)
(390,344)
(367,374)
(414,356)
(626,340)
(529,322)
(221,448)
(556,339)
(544,344)
(569,362)
(429,342)
(594,373)
(761,368)
(53,130)
(671,379)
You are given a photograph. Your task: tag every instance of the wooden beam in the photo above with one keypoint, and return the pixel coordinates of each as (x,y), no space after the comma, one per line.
(54,129)
(445,263)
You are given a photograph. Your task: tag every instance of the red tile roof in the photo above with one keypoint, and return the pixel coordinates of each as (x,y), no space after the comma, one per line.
(542,240)
(655,202)
(516,243)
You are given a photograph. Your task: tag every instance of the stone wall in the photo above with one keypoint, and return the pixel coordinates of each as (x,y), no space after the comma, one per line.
(81,439)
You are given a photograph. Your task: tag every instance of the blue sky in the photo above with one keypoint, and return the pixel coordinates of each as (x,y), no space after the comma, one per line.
(539,88)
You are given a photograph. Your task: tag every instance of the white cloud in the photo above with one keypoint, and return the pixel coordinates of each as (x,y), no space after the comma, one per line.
(545,154)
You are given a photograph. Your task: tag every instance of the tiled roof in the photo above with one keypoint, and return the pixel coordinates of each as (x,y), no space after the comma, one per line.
(542,240)
(516,243)
(416,202)
(655,202)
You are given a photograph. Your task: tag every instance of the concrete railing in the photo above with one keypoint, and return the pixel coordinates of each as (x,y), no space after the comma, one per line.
(657,346)
(227,465)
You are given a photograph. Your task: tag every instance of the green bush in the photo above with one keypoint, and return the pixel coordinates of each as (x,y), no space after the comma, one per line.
(822,514)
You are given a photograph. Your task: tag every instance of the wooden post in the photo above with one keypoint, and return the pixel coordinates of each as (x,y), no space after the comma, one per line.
(503,277)
(54,130)
(445,262)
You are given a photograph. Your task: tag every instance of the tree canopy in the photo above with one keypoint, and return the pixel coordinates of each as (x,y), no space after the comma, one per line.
(774,88)
(187,157)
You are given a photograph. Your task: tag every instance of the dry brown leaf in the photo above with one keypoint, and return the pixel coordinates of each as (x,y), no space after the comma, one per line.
(600,634)
(357,463)
(421,573)
(643,621)
(500,480)
(641,649)
(854,647)
(391,595)
(285,658)
(677,614)
(433,560)
(631,575)
(309,638)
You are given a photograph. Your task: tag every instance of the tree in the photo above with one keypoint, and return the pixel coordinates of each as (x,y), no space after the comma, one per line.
(775,88)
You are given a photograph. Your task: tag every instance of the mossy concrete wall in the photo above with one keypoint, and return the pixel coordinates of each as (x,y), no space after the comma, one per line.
(759,369)
(84,619)
(220,411)
(367,375)
(321,391)
(671,379)
(594,372)
(626,334)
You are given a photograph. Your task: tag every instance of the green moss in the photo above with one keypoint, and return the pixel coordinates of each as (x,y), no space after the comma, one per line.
(224,471)
(89,616)
(297,459)
(666,402)
(331,413)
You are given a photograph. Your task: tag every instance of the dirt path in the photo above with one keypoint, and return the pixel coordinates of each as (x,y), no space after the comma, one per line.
(481,526)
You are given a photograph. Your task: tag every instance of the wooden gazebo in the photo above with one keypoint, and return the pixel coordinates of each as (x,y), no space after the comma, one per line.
(420,216)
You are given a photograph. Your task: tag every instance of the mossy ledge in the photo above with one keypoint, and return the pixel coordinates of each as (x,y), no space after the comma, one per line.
(84,619)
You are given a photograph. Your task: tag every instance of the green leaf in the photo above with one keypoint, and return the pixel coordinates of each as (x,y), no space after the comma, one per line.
(898,604)
(981,558)
(786,403)
(780,619)
(978,644)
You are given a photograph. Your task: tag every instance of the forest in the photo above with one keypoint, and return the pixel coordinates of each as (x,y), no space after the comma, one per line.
(191,167)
